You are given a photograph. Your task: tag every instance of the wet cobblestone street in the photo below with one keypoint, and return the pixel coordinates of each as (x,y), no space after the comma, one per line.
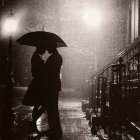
(73,121)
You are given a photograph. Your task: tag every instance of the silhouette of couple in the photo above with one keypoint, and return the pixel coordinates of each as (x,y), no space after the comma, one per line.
(43,91)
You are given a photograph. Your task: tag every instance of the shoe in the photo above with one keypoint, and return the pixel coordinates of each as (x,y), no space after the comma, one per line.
(55,136)
(45,133)
(51,135)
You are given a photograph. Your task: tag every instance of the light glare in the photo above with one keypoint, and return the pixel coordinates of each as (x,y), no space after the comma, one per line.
(10,26)
(93,17)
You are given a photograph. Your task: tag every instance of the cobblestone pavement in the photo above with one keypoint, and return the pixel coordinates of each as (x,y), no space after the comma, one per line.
(74,124)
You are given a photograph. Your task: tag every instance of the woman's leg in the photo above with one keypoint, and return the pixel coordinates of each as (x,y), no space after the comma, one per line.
(34,119)
(34,113)
(39,112)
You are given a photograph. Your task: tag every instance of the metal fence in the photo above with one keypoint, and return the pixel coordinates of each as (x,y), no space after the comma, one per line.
(116,91)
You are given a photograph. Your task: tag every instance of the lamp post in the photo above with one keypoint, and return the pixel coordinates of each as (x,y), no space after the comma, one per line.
(9,28)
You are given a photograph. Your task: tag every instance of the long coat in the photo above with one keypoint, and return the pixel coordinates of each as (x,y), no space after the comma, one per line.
(52,72)
(35,91)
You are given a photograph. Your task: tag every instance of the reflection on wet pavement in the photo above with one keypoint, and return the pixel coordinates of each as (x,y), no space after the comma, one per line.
(74,124)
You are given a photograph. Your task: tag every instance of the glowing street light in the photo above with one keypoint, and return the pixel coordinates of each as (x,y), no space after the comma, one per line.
(10,24)
(9,27)
(93,17)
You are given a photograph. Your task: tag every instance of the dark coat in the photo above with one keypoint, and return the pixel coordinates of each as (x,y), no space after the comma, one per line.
(35,91)
(37,66)
(52,72)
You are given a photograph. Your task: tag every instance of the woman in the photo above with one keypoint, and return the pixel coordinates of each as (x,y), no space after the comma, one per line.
(33,96)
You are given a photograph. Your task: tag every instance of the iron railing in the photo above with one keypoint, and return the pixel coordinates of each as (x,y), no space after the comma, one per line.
(116,90)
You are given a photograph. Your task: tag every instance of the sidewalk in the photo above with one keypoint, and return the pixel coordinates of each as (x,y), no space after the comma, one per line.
(73,121)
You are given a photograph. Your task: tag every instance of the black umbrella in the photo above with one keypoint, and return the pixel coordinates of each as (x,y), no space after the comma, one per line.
(38,37)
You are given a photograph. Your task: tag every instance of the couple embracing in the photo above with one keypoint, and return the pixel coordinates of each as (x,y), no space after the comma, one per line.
(43,91)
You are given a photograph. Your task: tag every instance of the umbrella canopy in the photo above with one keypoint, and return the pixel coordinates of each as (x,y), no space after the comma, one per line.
(39,37)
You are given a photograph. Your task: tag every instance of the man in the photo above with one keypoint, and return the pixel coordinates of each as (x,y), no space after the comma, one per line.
(53,86)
